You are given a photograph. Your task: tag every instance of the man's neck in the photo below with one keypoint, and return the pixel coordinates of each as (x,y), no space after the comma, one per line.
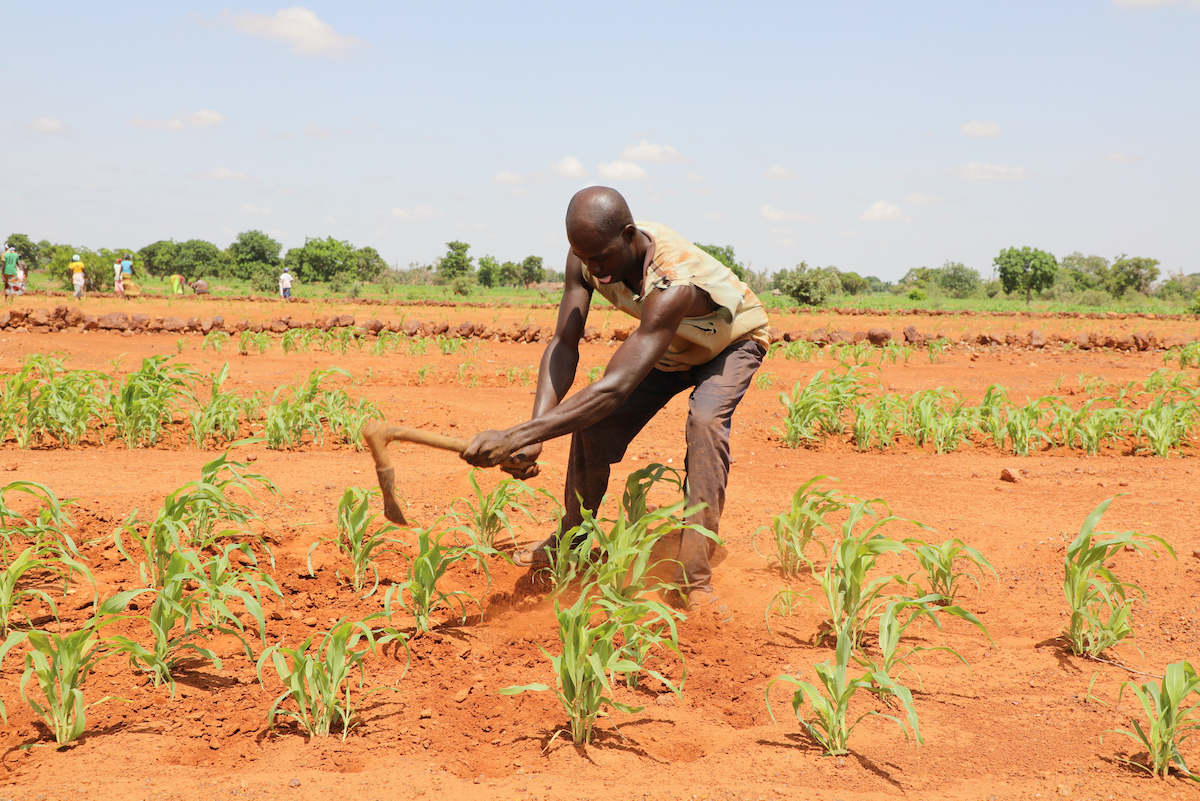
(636,280)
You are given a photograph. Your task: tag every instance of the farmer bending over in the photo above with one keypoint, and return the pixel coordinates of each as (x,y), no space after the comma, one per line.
(701,330)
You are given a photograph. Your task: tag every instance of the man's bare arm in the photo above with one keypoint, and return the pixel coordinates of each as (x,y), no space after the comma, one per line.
(634,359)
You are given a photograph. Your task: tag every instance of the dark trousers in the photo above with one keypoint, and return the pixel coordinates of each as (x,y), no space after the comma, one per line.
(717,388)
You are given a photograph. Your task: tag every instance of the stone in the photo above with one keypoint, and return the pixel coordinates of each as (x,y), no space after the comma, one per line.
(206,325)
(426,713)
(139,322)
(74,316)
(278,326)
(218,322)
(1010,475)
(1082,341)
(343,321)
(90,323)
(38,317)
(666,699)
(194,324)
(113,321)
(375,326)
(173,324)
(913,337)
(1126,343)
(620,334)
(461,695)
(309,621)
(879,336)
(840,335)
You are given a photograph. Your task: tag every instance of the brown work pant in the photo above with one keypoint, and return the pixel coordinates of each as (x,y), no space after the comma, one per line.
(717,388)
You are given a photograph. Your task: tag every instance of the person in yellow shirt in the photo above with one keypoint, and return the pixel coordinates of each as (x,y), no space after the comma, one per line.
(78,277)
(177,284)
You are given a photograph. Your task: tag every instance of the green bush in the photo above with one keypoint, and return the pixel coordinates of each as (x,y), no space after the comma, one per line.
(917,294)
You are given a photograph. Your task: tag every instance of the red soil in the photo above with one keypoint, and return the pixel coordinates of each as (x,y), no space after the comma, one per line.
(1020,720)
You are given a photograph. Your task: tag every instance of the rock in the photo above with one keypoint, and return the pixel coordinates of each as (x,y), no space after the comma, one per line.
(666,699)
(620,334)
(1082,341)
(278,326)
(218,322)
(913,337)
(138,322)
(206,325)
(793,336)
(113,321)
(840,335)
(412,327)
(1010,475)
(214,744)
(4,318)
(343,321)
(173,324)
(1141,340)
(426,713)
(294,783)
(375,326)
(309,621)
(461,695)
(1126,342)
(90,323)
(194,324)
(879,336)
(38,317)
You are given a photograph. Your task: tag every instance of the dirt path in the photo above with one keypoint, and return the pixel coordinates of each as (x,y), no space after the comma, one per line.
(1015,722)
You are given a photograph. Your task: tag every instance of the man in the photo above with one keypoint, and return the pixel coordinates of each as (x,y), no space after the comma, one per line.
(78,276)
(701,329)
(199,286)
(11,257)
(285,284)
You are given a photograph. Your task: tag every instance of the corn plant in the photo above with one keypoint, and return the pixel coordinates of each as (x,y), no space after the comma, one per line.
(1169,719)
(61,664)
(1187,355)
(764,380)
(1165,423)
(570,552)
(215,340)
(483,518)
(1097,426)
(1021,425)
(1098,602)
(936,348)
(417,346)
(783,603)
(851,598)
(425,570)
(591,657)
(830,725)
(793,531)
(938,562)
(298,340)
(594,374)
(897,616)
(448,345)
(47,526)
(638,484)
(145,401)
(356,540)
(319,681)
(220,417)
(47,557)
(251,341)
(424,371)
(992,410)
(814,411)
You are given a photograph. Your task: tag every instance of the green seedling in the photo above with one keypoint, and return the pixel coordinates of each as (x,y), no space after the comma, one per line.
(764,380)
(1169,719)
(146,400)
(594,374)
(485,517)
(793,531)
(319,681)
(830,725)
(448,345)
(1097,599)
(47,558)
(783,603)
(49,524)
(425,570)
(938,563)
(894,622)
(638,484)
(215,340)
(357,541)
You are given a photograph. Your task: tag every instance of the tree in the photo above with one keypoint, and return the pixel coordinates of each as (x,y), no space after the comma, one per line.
(196,257)
(809,286)
(27,249)
(725,256)
(853,283)
(919,277)
(321,259)
(251,251)
(1027,269)
(510,274)
(158,258)
(1132,272)
(958,280)
(456,262)
(1087,272)
(531,270)
(367,264)
(489,271)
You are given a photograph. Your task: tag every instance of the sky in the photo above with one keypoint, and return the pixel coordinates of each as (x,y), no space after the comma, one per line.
(871,136)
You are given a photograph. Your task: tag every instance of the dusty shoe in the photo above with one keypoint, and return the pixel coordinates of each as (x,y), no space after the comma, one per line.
(535,554)
(709,603)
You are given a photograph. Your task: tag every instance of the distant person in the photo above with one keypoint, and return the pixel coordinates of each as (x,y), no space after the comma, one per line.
(118,278)
(199,286)
(11,258)
(285,285)
(127,268)
(19,284)
(177,282)
(78,277)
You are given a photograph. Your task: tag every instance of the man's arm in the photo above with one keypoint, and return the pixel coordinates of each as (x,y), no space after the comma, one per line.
(634,359)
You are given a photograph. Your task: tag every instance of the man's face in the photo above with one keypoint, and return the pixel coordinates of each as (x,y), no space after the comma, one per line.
(607,261)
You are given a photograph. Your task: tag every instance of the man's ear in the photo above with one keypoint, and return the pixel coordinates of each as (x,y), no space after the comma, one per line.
(628,233)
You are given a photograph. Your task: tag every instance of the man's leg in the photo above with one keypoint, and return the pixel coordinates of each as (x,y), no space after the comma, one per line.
(595,449)
(720,385)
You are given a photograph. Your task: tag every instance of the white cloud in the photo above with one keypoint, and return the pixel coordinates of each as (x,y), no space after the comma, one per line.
(778,172)
(570,167)
(695,178)
(713,215)
(646,150)
(507,178)
(316,131)
(1117,155)
(300,29)
(418,213)
(785,243)
(882,211)
(978,129)
(621,171)
(921,199)
(50,125)
(251,208)
(989,172)
(203,118)
(220,174)
(776,215)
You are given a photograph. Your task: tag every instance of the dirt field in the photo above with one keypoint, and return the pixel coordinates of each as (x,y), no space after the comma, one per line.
(1019,722)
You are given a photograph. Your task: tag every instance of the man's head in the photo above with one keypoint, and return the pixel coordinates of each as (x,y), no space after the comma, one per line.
(601,232)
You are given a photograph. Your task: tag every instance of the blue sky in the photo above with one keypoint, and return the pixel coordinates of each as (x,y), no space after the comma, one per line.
(872,136)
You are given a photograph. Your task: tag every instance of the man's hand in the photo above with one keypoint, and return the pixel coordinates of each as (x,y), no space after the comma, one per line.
(523,463)
(488,449)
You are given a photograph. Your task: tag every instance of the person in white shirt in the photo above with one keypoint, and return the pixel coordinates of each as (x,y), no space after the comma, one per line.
(285,284)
